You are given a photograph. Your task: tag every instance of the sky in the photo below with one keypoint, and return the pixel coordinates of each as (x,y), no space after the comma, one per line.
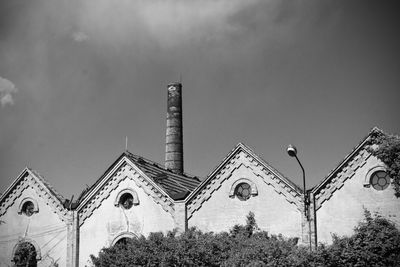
(77,77)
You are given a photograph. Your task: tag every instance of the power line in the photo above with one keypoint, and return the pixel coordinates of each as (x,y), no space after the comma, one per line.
(48,242)
(59,241)
(47,229)
(36,235)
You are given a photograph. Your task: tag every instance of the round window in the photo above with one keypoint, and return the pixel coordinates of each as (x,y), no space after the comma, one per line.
(243,191)
(126,201)
(28,208)
(380,180)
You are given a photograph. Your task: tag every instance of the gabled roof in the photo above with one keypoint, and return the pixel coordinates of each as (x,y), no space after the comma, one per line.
(44,189)
(361,145)
(37,176)
(242,147)
(176,186)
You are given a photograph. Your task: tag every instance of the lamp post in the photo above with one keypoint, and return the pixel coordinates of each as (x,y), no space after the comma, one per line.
(292,151)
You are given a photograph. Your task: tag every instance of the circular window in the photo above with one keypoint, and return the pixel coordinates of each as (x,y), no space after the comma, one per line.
(28,208)
(243,191)
(380,180)
(126,201)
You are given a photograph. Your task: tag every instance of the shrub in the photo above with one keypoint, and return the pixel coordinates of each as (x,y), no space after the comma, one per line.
(375,242)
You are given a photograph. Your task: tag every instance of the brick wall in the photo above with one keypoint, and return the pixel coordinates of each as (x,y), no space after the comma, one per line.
(45,229)
(219,211)
(344,207)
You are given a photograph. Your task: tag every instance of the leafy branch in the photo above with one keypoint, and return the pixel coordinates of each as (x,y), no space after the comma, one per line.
(386,147)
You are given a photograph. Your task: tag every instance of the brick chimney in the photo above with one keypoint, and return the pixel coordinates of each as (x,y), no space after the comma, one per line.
(174,133)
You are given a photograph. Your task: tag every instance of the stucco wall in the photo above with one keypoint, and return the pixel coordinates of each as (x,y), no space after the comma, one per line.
(341,213)
(45,228)
(272,211)
(108,221)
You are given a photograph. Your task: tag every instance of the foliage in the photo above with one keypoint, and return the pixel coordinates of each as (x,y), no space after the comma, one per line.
(25,255)
(387,148)
(375,242)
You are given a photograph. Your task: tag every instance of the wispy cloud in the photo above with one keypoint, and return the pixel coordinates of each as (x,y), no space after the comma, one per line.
(7,89)
(80,36)
(168,23)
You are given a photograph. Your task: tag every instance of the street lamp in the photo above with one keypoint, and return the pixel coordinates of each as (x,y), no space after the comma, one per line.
(292,151)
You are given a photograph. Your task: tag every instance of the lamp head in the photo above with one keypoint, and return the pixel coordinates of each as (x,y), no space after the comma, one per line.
(292,151)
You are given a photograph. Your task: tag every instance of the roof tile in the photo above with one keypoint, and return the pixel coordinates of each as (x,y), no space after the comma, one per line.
(177,186)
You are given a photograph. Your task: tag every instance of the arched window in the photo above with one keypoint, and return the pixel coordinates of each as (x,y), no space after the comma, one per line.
(26,254)
(122,239)
(126,199)
(243,189)
(28,206)
(378,178)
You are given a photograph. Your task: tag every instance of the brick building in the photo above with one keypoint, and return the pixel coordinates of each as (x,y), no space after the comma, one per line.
(136,196)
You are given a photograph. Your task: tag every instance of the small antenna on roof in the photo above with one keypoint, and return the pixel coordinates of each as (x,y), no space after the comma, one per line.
(180,77)
(126,143)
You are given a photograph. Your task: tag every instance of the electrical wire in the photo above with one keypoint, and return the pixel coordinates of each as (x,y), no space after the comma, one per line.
(59,241)
(47,227)
(36,235)
(48,242)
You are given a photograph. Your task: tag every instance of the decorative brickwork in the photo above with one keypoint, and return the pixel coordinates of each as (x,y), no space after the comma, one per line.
(338,179)
(243,156)
(125,170)
(30,179)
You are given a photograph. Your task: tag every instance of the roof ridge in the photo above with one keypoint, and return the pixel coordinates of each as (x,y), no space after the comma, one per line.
(47,184)
(254,154)
(347,157)
(247,149)
(184,174)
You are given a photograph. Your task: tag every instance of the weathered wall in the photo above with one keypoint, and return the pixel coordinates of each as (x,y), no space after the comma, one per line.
(108,221)
(45,228)
(341,212)
(219,211)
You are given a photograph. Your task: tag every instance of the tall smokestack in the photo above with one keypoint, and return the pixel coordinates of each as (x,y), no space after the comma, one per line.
(174,134)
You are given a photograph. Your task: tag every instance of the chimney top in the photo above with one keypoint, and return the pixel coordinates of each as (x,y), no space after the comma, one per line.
(175,84)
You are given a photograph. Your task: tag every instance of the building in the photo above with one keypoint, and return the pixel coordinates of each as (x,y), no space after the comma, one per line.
(136,196)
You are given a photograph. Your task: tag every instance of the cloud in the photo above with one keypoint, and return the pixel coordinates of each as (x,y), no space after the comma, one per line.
(7,88)
(80,36)
(168,23)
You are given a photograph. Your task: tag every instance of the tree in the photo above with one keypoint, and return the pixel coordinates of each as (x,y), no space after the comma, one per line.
(375,242)
(25,255)
(387,148)
(243,245)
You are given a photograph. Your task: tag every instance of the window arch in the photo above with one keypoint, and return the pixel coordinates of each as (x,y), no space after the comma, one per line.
(28,206)
(26,253)
(243,188)
(378,178)
(126,198)
(121,237)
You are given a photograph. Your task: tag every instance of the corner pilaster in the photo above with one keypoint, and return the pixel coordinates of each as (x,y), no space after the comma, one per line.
(73,239)
(180,216)
(308,224)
